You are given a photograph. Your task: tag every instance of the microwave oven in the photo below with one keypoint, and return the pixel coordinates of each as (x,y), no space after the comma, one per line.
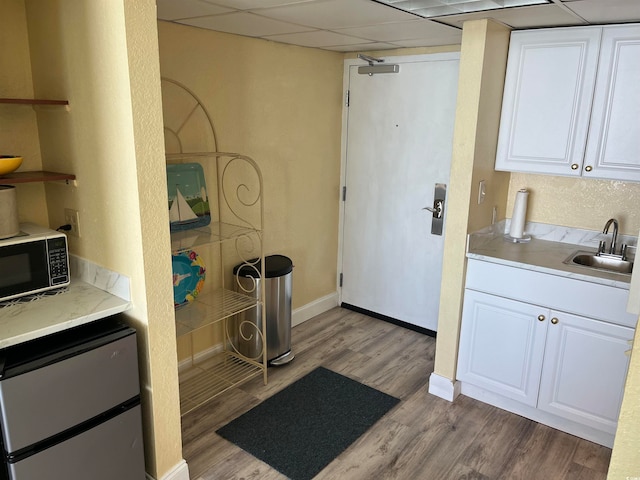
(35,260)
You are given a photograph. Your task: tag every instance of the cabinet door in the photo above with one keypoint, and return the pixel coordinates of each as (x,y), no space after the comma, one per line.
(584,370)
(613,148)
(547,100)
(502,345)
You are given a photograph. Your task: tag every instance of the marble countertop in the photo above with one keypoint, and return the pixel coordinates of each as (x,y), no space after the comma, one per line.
(94,293)
(541,255)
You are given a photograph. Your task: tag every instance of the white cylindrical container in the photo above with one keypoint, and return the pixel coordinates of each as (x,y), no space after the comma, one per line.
(9,226)
(516,229)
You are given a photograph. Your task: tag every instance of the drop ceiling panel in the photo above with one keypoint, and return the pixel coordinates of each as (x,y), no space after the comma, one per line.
(612,11)
(242,23)
(432,41)
(410,30)
(172,10)
(318,39)
(521,17)
(332,14)
(252,4)
(365,47)
(380,26)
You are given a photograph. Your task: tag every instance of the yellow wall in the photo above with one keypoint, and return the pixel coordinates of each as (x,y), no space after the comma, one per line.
(18,124)
(102,55)
(586,203)
(281,105)
(625,461)
(482,66)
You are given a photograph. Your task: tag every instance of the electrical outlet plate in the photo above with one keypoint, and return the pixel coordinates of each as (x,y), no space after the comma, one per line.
(72,218)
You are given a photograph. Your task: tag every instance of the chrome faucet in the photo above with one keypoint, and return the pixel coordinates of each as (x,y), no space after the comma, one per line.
(614,239)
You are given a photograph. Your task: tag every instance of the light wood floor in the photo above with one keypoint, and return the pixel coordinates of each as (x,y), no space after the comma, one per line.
(423,437)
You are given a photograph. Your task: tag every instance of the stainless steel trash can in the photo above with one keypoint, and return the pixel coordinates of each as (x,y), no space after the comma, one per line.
(278,271)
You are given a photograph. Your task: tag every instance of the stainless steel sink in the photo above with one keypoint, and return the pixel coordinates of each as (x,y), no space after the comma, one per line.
(609,263)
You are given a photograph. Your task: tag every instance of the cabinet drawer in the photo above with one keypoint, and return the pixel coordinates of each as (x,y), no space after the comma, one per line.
(593,300)
(120,455)
(44,401)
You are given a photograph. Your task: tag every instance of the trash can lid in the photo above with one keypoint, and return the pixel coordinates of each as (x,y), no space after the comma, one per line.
(274,266)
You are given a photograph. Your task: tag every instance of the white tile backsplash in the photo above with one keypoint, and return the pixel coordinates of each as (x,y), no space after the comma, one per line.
(558,233)
(100,277)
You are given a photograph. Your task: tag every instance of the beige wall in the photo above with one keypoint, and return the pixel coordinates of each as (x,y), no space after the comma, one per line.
(482,66)
(280,105)
(18,124)
(103,57)
(585,203)
(625,461)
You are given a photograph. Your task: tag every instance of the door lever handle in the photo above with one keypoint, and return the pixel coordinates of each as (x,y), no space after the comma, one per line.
(438,207)
(437,220)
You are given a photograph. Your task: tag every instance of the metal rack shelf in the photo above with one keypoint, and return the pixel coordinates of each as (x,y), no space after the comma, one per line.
(237,224)
(214,233)
(210,309)
(218,374)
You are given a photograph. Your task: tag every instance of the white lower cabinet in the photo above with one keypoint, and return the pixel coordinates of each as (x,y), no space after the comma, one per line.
(584,370)
(562,369)
(502,346)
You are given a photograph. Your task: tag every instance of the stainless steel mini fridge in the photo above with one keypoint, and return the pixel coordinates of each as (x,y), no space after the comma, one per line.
(70,406)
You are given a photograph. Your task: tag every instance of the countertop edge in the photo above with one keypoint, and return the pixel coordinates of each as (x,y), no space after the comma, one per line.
(541,256)
(82,303)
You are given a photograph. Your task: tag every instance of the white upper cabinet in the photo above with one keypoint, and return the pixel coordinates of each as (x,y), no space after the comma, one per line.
(571,104)
(547,99)
(613,146)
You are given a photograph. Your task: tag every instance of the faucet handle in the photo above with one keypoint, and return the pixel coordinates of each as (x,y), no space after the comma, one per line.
(601,247)
(623,251)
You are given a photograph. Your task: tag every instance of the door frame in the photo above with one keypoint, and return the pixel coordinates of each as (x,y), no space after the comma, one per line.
(348,63)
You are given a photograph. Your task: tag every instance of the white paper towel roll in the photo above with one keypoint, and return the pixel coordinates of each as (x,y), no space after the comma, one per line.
(519,213)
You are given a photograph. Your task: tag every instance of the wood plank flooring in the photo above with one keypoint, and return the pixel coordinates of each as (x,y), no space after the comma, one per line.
(423,437)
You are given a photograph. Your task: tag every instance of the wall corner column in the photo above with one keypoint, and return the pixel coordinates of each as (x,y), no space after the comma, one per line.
(482,67)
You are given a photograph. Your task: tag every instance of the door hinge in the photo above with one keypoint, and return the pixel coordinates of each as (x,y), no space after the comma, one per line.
(341,278)
(346,98)
(344,193)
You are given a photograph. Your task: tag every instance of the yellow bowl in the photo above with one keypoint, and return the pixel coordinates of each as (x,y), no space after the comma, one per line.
(9,163)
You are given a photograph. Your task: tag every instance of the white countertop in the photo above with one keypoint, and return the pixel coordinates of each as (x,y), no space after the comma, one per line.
(94,293)
(540,255)
(81,303)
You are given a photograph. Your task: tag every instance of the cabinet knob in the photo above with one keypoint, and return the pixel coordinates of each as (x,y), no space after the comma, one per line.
(588,168)
(554,320)
(541,318)
(574,166)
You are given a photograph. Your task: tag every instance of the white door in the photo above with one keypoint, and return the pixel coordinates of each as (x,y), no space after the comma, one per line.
(398,142)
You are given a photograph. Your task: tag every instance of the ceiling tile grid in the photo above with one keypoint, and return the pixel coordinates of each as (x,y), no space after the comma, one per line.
(361,25)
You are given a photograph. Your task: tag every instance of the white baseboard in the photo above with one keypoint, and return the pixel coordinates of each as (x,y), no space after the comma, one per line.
(179,472)
(443,387)
(298,316)
(314,308)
